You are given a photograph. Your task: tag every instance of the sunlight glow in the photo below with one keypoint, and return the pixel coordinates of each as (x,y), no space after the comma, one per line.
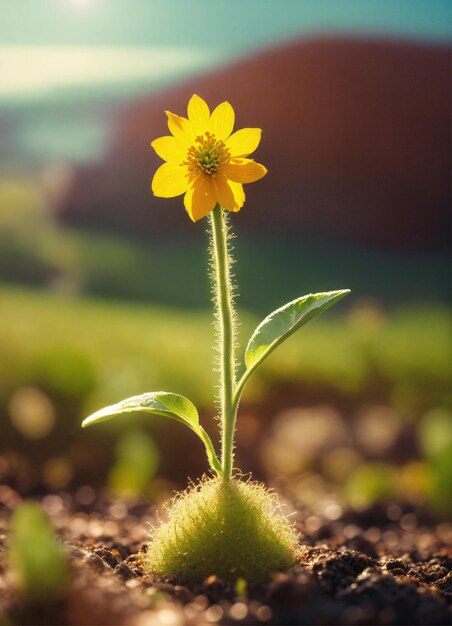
(29,71)
(81,2)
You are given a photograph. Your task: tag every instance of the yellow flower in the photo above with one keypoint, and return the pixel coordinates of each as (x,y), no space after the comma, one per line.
(204,160)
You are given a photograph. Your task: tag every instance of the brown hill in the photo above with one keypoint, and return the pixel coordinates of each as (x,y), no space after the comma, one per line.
(355,136)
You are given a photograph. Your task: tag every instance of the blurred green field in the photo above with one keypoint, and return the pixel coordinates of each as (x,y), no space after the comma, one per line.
(95,352)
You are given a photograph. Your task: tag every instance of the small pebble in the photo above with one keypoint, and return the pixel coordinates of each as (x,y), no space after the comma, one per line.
(94,561)
(123,571)
(107,556)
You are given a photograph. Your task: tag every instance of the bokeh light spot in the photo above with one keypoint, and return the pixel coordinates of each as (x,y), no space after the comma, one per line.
(32,412)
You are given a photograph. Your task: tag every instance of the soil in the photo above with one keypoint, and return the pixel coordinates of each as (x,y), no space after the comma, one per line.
(386,565)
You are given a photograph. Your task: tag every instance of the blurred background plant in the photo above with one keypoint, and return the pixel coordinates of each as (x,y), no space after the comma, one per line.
(103,290)
(39,563)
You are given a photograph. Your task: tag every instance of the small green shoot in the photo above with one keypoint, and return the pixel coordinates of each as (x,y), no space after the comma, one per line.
(38,561)
(241,588)
(136,463)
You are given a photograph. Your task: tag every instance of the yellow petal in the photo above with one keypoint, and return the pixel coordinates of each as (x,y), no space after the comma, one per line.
(225,195)
(170,149)
(198,114)
(201,198)
(243,142)
(239,195)
(181,128)
(169,180)
(222,121)
(244,170)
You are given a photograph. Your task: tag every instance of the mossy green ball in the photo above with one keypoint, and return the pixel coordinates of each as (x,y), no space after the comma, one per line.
(232,530)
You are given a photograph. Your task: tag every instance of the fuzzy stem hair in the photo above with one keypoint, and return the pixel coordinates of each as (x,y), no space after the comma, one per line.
(223,294)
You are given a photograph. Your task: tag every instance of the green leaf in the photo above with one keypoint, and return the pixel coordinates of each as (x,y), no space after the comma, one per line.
(162,403)
(280,324)
(170,405)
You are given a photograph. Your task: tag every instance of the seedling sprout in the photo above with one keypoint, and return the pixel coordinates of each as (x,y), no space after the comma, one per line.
(225,526)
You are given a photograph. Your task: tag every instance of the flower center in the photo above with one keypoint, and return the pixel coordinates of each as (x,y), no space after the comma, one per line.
(207,155)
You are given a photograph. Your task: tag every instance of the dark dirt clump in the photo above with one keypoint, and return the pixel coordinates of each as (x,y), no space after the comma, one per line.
(359,569)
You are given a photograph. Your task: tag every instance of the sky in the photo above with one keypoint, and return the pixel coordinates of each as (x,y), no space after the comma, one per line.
(59,57)
(48,47)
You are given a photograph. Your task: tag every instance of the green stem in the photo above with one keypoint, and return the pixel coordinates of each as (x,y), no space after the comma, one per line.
(210,450)
(225,313)
(239,389)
